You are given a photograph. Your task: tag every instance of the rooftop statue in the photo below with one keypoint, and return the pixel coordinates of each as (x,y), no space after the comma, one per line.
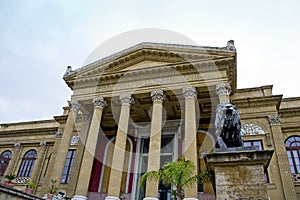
(228,126)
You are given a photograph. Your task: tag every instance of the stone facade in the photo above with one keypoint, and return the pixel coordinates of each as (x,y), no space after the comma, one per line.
(150,103)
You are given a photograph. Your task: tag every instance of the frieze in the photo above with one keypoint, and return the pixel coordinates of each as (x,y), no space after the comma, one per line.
(158,74)
(252,129)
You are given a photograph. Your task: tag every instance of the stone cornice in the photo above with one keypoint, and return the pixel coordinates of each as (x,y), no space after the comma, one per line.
(256,102)
(181,59)
(61,119)
(243,90)
(34,131)
(290,112)
(170,70)
(4,125)
(145,48)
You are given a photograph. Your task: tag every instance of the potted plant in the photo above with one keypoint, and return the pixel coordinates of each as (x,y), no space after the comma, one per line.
(178,174)
(30,186)
(9,180)
(52,189)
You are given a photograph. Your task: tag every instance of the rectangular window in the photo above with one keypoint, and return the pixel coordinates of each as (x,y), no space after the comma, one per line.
(68,166)
(252,143)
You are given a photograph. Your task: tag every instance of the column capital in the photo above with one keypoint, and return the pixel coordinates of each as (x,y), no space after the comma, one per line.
(274,119)
(189,92)
(74,105)
(17,146)
(58,134)
(157,96)
(100,102)
(126,99)
(43,145)
(223,89)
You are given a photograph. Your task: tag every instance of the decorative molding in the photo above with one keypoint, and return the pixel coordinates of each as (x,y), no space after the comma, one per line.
(17,146)
(43,145)
(296,178)
(126,99)
(21,179)
(157,96)
(100,102)
(74,140)
(74,105)
(59,134)
(223,89)
(189,92)
(163,74)
(252,129)
(274,119)
(254,102)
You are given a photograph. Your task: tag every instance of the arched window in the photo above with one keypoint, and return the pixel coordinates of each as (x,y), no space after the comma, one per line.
(4,161)
(27,163)
(292,145)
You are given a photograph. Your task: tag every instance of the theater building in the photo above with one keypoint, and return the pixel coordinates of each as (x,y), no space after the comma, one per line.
(139,108)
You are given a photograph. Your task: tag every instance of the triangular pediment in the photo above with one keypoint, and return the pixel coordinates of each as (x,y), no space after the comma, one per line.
(143,65)
(146,56)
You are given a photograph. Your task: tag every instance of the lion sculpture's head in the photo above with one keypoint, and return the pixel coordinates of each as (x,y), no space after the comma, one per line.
(228,125)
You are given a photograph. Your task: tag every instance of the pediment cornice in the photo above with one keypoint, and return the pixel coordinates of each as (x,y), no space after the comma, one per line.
(184,59)
(256,102)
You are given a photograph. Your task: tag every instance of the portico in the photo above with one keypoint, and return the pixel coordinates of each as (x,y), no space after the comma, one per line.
(152,96)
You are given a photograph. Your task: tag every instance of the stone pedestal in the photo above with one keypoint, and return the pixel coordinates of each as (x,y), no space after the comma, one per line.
(239,172)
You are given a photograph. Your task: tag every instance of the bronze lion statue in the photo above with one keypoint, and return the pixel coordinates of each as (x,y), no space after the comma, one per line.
(228,126)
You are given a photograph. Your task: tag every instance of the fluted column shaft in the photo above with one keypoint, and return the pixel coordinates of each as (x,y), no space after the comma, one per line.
(90,147)
(115,178)
(190,130)
(61,153)
(155,141)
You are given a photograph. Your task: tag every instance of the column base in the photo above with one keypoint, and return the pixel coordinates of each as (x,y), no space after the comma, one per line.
(150,198)
(79,197)
(112,198)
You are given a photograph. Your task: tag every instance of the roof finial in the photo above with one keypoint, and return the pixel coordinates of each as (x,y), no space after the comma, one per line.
(230,45)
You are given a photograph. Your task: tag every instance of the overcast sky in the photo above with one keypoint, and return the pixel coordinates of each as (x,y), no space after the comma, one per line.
(39,39)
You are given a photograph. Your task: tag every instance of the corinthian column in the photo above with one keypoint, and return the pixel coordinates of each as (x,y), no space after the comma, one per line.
(62,150)
(190,130)
(223,91)
(155,140)
(115,178)
(283,163)
(90,148)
